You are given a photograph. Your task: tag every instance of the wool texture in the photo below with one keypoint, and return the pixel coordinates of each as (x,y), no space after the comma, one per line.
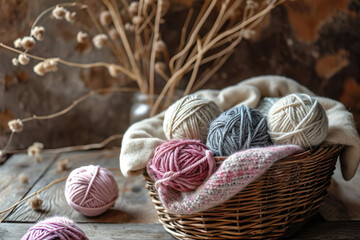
(91,190)
(237,129)
(141,139)
(55,228)
(298,119)
(233,175)
(181,165)
(189,118)
(265,105)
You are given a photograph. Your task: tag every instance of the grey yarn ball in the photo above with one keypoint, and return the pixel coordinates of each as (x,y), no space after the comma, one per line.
(237,129)
(189,118)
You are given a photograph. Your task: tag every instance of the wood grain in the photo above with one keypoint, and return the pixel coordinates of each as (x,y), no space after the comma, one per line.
(11,188)
(95,231)
(112,231)
(132,206)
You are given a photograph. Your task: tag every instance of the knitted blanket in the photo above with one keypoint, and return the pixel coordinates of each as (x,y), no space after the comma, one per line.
(233,175)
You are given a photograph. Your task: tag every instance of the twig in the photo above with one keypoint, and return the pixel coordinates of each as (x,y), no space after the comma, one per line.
(74,148)
(115,15)
(196,68)
(35,193)
(153,49)
(72,64)
(85,147)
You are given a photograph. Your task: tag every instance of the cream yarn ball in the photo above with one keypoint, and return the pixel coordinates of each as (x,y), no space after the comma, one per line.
(298,119)
(189,118)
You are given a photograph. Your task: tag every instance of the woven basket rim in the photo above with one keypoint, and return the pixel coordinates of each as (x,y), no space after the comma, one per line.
(296,155)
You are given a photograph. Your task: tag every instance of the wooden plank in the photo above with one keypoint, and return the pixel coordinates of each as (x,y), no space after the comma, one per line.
(108,231)
(11,188)
(112,231)
(132,206)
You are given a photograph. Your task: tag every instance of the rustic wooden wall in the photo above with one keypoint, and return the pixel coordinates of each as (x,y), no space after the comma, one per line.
(314,42)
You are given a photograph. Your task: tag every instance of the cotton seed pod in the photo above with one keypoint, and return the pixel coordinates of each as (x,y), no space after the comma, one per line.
(105,18)
(15,61)
(248,34)
(136,20)
(28,42)
(160,46)
(59,12)
(113,33)
(23,179)
(17,43)
(23,59)
(100,40)
(39,69)
(133,8)
(129,27)
(114,70)
(16,125)
(36,203)
(38,33)
(82,37)
(160,67)
(70,16)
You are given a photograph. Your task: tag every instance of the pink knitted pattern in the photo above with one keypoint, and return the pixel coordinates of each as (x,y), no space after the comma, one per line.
(233,175)
(181,165)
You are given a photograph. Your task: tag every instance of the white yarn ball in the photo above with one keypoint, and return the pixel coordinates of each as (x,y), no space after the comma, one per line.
(298,119)
(189,118)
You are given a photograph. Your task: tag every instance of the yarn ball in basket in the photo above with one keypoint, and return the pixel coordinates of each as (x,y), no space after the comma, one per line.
(91,190)
(237,129)
(189,118)
(298,119)
(181,165)
(55,228)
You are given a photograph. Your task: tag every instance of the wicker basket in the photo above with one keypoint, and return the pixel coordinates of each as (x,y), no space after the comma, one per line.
(275,205)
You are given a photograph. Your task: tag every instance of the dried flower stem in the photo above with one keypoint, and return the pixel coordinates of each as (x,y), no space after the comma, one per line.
(153,50)
(196,68)
(85,147)
(67,109)
(78,101)
(72,64)
(115,15)
(178,73)
(35,193)
(74,148)
(182,54)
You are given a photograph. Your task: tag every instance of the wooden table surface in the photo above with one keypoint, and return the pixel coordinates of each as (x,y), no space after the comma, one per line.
(133,216)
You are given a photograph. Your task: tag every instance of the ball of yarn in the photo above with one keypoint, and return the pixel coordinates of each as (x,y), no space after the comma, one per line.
(182,165)
(298,119)
(91,190)
(189,118)
(55,228)
(237,129)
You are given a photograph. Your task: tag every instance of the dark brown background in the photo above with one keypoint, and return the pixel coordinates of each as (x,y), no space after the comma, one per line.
(314,42)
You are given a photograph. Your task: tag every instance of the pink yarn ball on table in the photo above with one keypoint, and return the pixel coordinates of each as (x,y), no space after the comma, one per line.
(91,190)
(182,165)
(55,228)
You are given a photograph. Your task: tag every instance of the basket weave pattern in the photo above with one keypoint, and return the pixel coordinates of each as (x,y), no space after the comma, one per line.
(275,205)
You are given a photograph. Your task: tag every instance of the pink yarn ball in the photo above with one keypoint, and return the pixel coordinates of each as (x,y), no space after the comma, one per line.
(91,190)
(55,228)
(182,165)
